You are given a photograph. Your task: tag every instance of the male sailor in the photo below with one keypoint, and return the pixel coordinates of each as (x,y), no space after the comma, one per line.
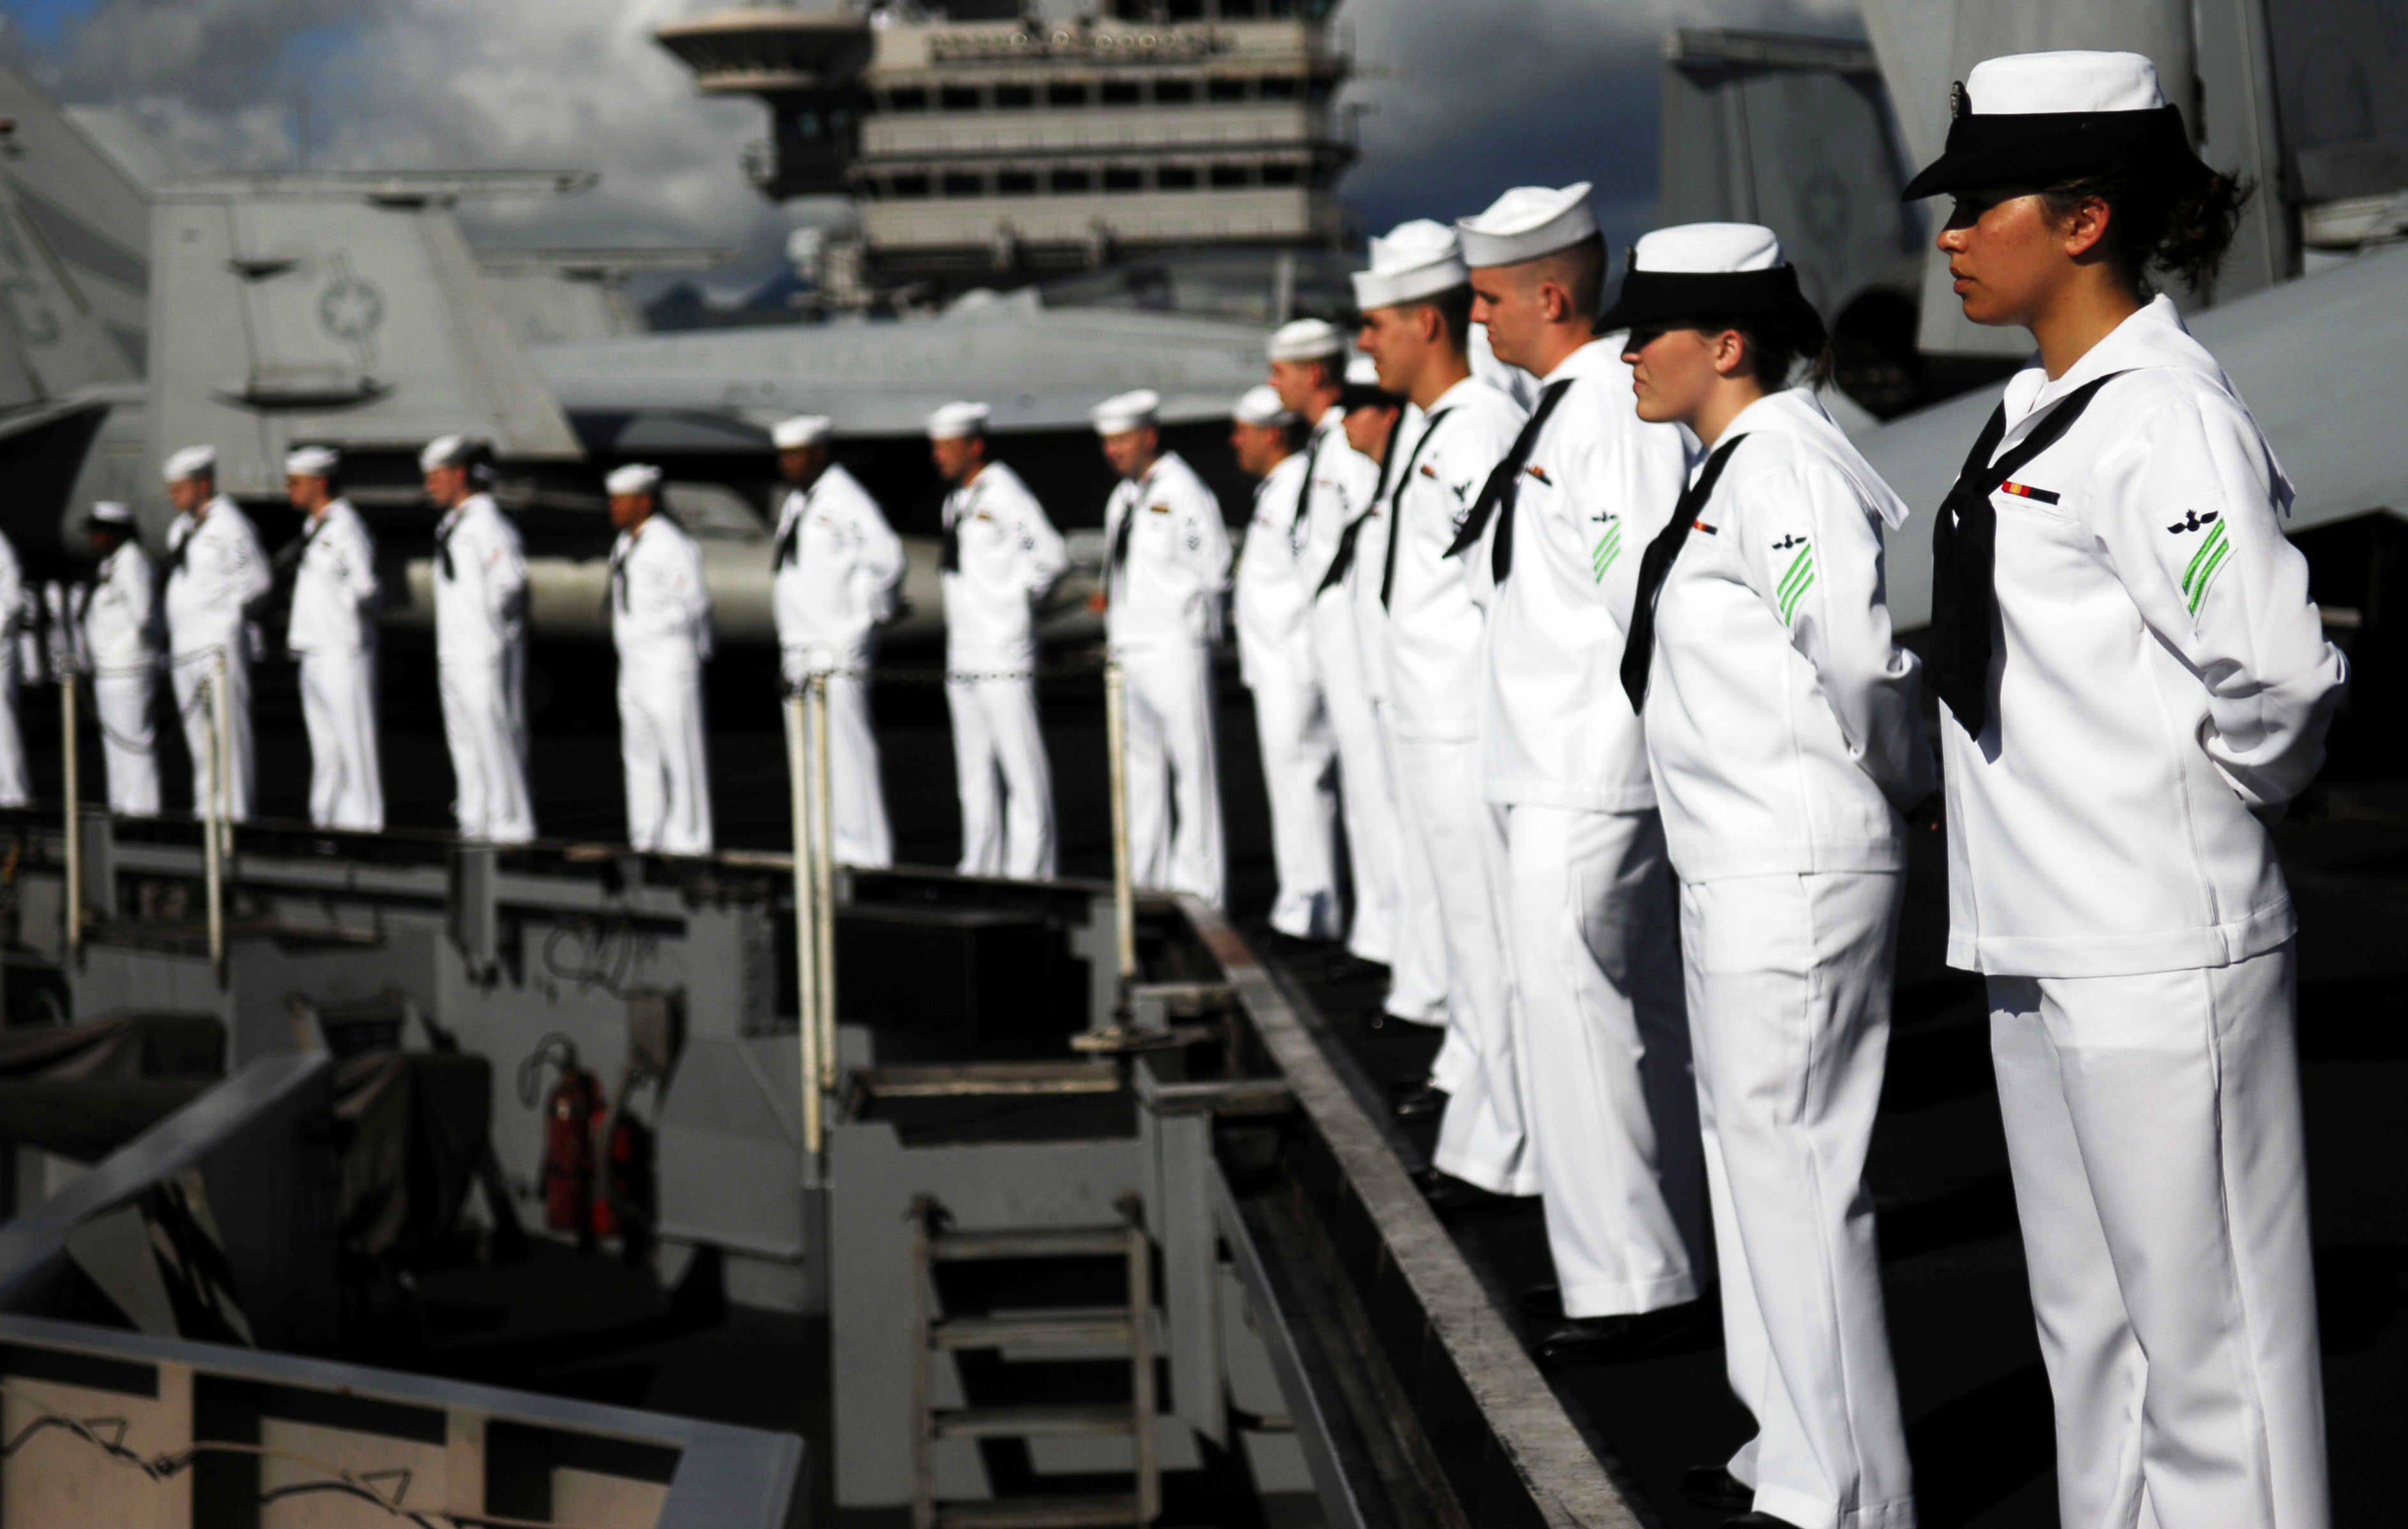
(1272,590)
(2137,686)
(333,633)
(1002,556)
(15,788)
(120,616)
(1416,302)
(1308,370)
(216,569)
(836,567)
(481,594)
(1166,570)
(660,622)
(1589,895)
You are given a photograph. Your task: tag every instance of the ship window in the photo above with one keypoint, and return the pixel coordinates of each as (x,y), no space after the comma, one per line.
(1121,93)
(1230,175)
(1123,178)
(958,184)
(1241,10)
(1073,182)
(1282,87)
(1014,97)
(1321,88)
(1175,177)
(1282,175)
(959,97)
(1173,93)
(1066,95)
(1185,10)
(1225,90)
(908,186)
(1015,182)
(910,98)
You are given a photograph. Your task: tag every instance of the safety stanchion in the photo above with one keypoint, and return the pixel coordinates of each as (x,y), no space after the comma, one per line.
(1124,899)
(806,998)
(75,817)
(823,876)
(213,823)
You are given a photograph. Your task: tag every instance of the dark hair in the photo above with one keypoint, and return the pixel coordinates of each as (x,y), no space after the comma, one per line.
(2179,224)
(1294,433)
(1580,270)
(1453,310)
(1772,357)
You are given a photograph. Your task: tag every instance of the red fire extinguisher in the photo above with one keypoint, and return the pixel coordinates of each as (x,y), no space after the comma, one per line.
(572,1114)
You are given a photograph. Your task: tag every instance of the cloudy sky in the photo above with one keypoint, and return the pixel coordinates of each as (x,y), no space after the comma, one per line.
(1462,99)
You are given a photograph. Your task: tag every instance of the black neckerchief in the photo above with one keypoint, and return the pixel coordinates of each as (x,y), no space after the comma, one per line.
(1299,522)
(1344,559)
(1117,564)
(790,540)
(1964,553)
(1503,489)
(1397,510)
(615,592)
(1656,564)
(443,545)
(950,560)
(177,550)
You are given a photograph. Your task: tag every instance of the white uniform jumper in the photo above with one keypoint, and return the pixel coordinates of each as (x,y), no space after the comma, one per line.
(15,787)
(120,634)
(660,622)
(1275,659)
(480,668)
(1597,966)
(215,570)
(1338,492)
(837,567)
(1438,661)
(1785,736)
(1002,555)
(1165,571)
(2160,685)
(333,632)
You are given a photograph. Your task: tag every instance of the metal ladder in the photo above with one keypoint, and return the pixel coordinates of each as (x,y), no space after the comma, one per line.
(1133,1325)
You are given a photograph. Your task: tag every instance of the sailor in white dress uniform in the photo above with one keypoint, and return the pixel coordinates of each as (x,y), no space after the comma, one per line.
(1416,302)
(480,599)
(837,567)
(216,572)
(1784,732)
(1597,967)
(2137,682)
(1002,556)
(1272,595)
(332,633)
(1166,577)
(121,636)
(660,624)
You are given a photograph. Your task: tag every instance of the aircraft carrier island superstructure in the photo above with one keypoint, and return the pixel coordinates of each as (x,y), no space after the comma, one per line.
(986,146)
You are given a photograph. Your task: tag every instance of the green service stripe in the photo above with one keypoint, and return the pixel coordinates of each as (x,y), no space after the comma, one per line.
(2207,575)
(1803,561)
(2198,559)
(1789,601)
(1609,547)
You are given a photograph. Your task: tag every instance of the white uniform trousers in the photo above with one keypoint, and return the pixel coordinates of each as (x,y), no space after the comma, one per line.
(1605,1042)
(1006,784)
(189,672)
(338,699)
(668,770)
(856,792)
(1482,1137)
(1789,1002)
(484,720)
(1300,776)
(129,740)
(1174,776)
(16,785)
(1418,977)
(2154,1126)
(1366,794)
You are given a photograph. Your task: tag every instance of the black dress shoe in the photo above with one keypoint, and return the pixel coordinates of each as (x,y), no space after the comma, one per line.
(1544,1302)
(1757,1521)
(1425,1100)
(1614,1340)
(1452,1197)
(1714,1486)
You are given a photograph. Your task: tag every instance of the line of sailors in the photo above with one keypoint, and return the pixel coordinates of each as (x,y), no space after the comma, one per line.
(1603,695)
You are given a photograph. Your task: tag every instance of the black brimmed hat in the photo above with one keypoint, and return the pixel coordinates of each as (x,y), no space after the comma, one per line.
(1729,272)
(2034,119)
